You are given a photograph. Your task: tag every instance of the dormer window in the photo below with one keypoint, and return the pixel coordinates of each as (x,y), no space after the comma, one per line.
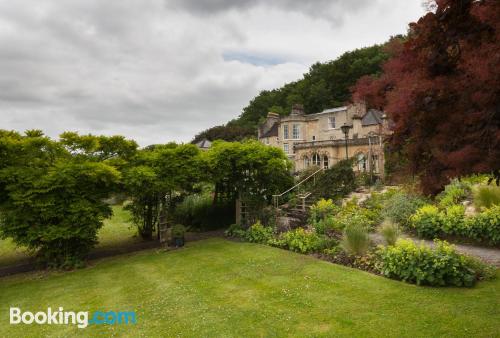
(331,122)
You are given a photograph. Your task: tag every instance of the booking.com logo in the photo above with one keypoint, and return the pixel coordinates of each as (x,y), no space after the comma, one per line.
(81,318)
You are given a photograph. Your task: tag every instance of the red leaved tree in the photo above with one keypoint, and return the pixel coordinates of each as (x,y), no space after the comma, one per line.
(441,88)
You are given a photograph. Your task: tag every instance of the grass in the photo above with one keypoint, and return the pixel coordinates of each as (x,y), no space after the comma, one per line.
(117,230)
(218,288)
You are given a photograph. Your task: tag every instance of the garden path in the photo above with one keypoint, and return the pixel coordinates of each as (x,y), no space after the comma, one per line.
(488,255)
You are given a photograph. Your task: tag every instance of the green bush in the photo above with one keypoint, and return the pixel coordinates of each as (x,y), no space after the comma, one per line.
(453,221)
(422,265)
(328,225)
(390,232)
(484,226)
(355,239)
(427,221)
(453,193)
(258,233)
(336,182)
(235,230)
(486,196)
(400,206)
(322,209)
(300,240)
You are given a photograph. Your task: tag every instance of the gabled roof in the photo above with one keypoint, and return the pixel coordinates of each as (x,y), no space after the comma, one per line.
(273,131)
(372,117)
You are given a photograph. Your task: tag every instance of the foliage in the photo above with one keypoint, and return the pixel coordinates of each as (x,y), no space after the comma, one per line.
(486,196)
(178,231)
(336,182)
(50,201)
(427,221)
(355,239)
(328,225)
(156,172)
(422,265)
(484,226)
(235,230)
(399,207)
(441,93)
(453,193)
(249,168)
(322,209)
(390,231)
(230,132)
(300,240)
(200,212)
(258,233)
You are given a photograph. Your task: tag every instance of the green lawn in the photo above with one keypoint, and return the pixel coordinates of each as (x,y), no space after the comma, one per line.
(116,231)
(218,288)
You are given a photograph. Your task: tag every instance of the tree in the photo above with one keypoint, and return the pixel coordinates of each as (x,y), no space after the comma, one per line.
(51,202)
(154,174)
(442,91)
(250,168)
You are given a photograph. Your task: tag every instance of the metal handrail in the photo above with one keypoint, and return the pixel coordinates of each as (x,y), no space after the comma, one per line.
(276,197)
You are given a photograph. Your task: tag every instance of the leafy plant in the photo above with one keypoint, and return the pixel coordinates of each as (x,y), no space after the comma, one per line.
(484,226)
(486,196)
(390,231)
(258,233)
(453,193)
(400,206)
(427,221)
(235,230)
(300,240)
(322,209)
(355,239)
(422,265)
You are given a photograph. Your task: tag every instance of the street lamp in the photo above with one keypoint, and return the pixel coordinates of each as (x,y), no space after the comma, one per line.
(345,129)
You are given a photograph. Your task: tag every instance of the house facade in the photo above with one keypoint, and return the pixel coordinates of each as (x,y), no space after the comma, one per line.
(318,139)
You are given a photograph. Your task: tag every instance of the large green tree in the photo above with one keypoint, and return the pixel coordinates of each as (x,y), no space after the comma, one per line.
(51,201)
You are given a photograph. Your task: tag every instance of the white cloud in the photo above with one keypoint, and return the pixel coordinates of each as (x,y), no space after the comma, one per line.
(158,71)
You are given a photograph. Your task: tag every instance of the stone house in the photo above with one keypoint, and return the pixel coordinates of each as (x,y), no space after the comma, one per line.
(318,139)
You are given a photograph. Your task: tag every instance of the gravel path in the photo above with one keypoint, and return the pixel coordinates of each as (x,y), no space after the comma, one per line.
(488,255)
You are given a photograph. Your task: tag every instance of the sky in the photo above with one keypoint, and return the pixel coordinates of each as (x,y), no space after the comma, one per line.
(163,70)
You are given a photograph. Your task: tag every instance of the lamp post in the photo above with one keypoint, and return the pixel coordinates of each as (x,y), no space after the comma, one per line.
(345,129)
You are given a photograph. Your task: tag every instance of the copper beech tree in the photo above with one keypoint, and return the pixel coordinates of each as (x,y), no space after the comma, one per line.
(441,88)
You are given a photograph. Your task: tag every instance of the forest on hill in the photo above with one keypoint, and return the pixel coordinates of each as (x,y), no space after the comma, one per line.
(326,85)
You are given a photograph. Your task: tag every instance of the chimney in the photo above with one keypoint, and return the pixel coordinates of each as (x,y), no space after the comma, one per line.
(297,110)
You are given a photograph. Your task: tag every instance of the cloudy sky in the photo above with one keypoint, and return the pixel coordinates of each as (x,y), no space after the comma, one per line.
(163,70)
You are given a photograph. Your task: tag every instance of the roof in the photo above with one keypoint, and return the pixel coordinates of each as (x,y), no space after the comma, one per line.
(372,117)
(204,144)
(273,131)
(331,110)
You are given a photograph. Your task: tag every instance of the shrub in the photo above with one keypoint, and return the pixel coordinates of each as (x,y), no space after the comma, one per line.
(235,230)
(300,240)
(258,233)
(453,220)
(486,196)
(322,209)
(484,226)
(355,239)
(328,225)
(400,206)
(337,181)
(390,232)
(453,193)
(427,221)
(178,231)
(422,265)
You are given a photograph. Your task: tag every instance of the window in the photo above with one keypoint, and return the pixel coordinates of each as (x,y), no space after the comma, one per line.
(295,132)
(285,148)
(316,160)
(325,162)
(285,131)
(331,122)
(375,163)
(361,163)
(314,138)
(306,162)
